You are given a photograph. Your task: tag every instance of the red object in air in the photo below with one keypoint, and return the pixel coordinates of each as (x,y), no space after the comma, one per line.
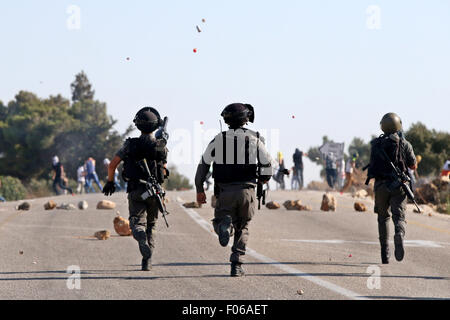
(293,117)
(201,122)
(195,50)
(350,256)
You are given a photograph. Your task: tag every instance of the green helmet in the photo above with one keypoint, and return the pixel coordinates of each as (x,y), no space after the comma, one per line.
(391,123)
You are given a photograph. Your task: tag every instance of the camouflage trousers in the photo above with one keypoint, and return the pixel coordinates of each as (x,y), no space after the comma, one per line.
(389,200)
(240,204)
(143,216)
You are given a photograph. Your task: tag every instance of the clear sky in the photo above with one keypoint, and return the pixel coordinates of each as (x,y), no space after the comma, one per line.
(335,65)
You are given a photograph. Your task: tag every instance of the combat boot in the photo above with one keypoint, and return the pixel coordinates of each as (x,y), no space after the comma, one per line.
(224,229)
(236,270)
(399,251)
(146,264)
(385,253)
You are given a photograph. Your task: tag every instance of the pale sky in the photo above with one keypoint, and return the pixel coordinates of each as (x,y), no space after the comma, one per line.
(336,66)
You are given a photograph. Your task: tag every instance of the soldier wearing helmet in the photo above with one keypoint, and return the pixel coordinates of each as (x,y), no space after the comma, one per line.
(143,213)
(387,197)
(240,160)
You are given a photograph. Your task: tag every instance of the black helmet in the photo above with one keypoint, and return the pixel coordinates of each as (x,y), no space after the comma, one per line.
(147,120)
(237,114)
(391,123)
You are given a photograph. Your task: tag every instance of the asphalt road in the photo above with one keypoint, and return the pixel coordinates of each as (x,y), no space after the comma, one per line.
(332,255)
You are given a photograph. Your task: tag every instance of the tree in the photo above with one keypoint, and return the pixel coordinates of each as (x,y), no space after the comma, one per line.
(432,145)
(33,130)
(81,88)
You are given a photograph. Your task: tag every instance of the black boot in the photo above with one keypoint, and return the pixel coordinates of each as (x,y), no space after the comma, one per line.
(399,251)
(224,231)
(385,253)
(146,264)
(236,270)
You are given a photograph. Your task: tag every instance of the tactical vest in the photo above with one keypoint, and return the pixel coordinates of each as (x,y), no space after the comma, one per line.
(233,172)
(144,147)
(379,167)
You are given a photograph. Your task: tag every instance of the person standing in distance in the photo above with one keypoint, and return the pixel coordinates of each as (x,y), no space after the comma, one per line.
(240,161)
(391,146)
(143,213)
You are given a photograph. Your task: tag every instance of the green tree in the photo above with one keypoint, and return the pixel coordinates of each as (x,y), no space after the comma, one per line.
(433,146)
(81,88)
(176,181)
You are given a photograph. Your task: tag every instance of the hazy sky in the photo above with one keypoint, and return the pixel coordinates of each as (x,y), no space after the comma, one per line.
(336,66)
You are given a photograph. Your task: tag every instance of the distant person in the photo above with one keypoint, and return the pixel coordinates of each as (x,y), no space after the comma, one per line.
(1,198)
(341,173)
(446,168)
(297,158)
(331,169)
(91,175)
(413,173)
(282,171)
(350,167)
(81,179)
(295,182)
(58,176)
(106,162)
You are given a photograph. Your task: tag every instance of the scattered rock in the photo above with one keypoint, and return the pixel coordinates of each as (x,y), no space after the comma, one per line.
(25,206)
(195,205)
(213,201)
(122,226)
(442,208)
(272,205)
(428,193)
(102,235)
(359,206)
(292,205)
(106,205)
(21,252)
(50,205)
(66,206)
(328,202)
(300,292)
(360,194)
(83,205)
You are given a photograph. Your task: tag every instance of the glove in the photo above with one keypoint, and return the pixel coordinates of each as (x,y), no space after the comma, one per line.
(109,188)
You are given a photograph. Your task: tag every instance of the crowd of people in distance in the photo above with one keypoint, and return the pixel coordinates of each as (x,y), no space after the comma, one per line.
(86,177)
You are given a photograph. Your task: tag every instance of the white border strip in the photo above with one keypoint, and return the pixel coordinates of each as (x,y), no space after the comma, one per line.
(296,272)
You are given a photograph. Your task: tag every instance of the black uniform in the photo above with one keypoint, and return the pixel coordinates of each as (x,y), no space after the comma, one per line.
(401,153)
(143,213)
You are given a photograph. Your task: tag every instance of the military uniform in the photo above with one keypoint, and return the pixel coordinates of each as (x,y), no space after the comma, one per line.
(150,146)
(239,159)
(143,213)
(387,194)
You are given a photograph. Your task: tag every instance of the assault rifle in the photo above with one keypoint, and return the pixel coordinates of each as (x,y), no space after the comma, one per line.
(400,180)
(153,189)
(261,194)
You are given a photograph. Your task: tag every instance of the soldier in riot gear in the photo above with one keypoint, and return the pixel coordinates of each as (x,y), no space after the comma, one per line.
(152,148)
(391,146)
(240,161)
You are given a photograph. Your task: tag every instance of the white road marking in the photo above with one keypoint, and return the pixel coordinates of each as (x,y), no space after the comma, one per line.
(294,271)
(407,243)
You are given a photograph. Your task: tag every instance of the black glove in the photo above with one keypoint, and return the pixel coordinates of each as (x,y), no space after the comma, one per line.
(109,188)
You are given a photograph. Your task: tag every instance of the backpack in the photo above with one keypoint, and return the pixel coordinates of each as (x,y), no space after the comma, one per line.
(379,167)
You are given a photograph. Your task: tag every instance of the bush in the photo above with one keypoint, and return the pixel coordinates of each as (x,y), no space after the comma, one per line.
(12,189)
(39,188)
(177,181)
